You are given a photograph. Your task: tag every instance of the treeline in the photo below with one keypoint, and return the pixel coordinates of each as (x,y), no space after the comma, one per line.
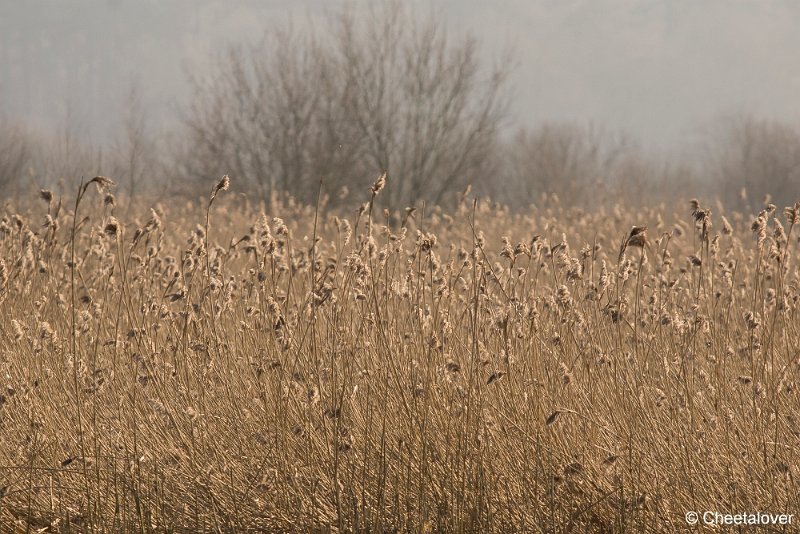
(390,91)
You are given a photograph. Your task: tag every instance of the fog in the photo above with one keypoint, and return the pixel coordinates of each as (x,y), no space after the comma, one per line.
(659,70)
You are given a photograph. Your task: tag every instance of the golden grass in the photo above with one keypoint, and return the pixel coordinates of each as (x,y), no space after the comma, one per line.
(227,370)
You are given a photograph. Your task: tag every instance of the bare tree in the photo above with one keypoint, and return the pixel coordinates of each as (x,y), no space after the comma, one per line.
(567,159)
(585,165)
(68,154)
(30,159)
(365,94)
(135,152)
(754,157)
(15,155)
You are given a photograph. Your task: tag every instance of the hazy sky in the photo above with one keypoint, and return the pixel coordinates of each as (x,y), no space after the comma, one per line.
(659,70)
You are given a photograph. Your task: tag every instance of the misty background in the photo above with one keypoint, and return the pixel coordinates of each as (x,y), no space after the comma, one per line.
(687,84)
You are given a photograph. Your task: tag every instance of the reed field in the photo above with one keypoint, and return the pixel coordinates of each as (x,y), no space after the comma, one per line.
(232,365)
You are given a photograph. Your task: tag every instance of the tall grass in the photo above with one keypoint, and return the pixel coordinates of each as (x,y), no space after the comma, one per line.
(219,366)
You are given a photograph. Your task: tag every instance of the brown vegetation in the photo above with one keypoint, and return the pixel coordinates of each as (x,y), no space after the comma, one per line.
(215,367)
